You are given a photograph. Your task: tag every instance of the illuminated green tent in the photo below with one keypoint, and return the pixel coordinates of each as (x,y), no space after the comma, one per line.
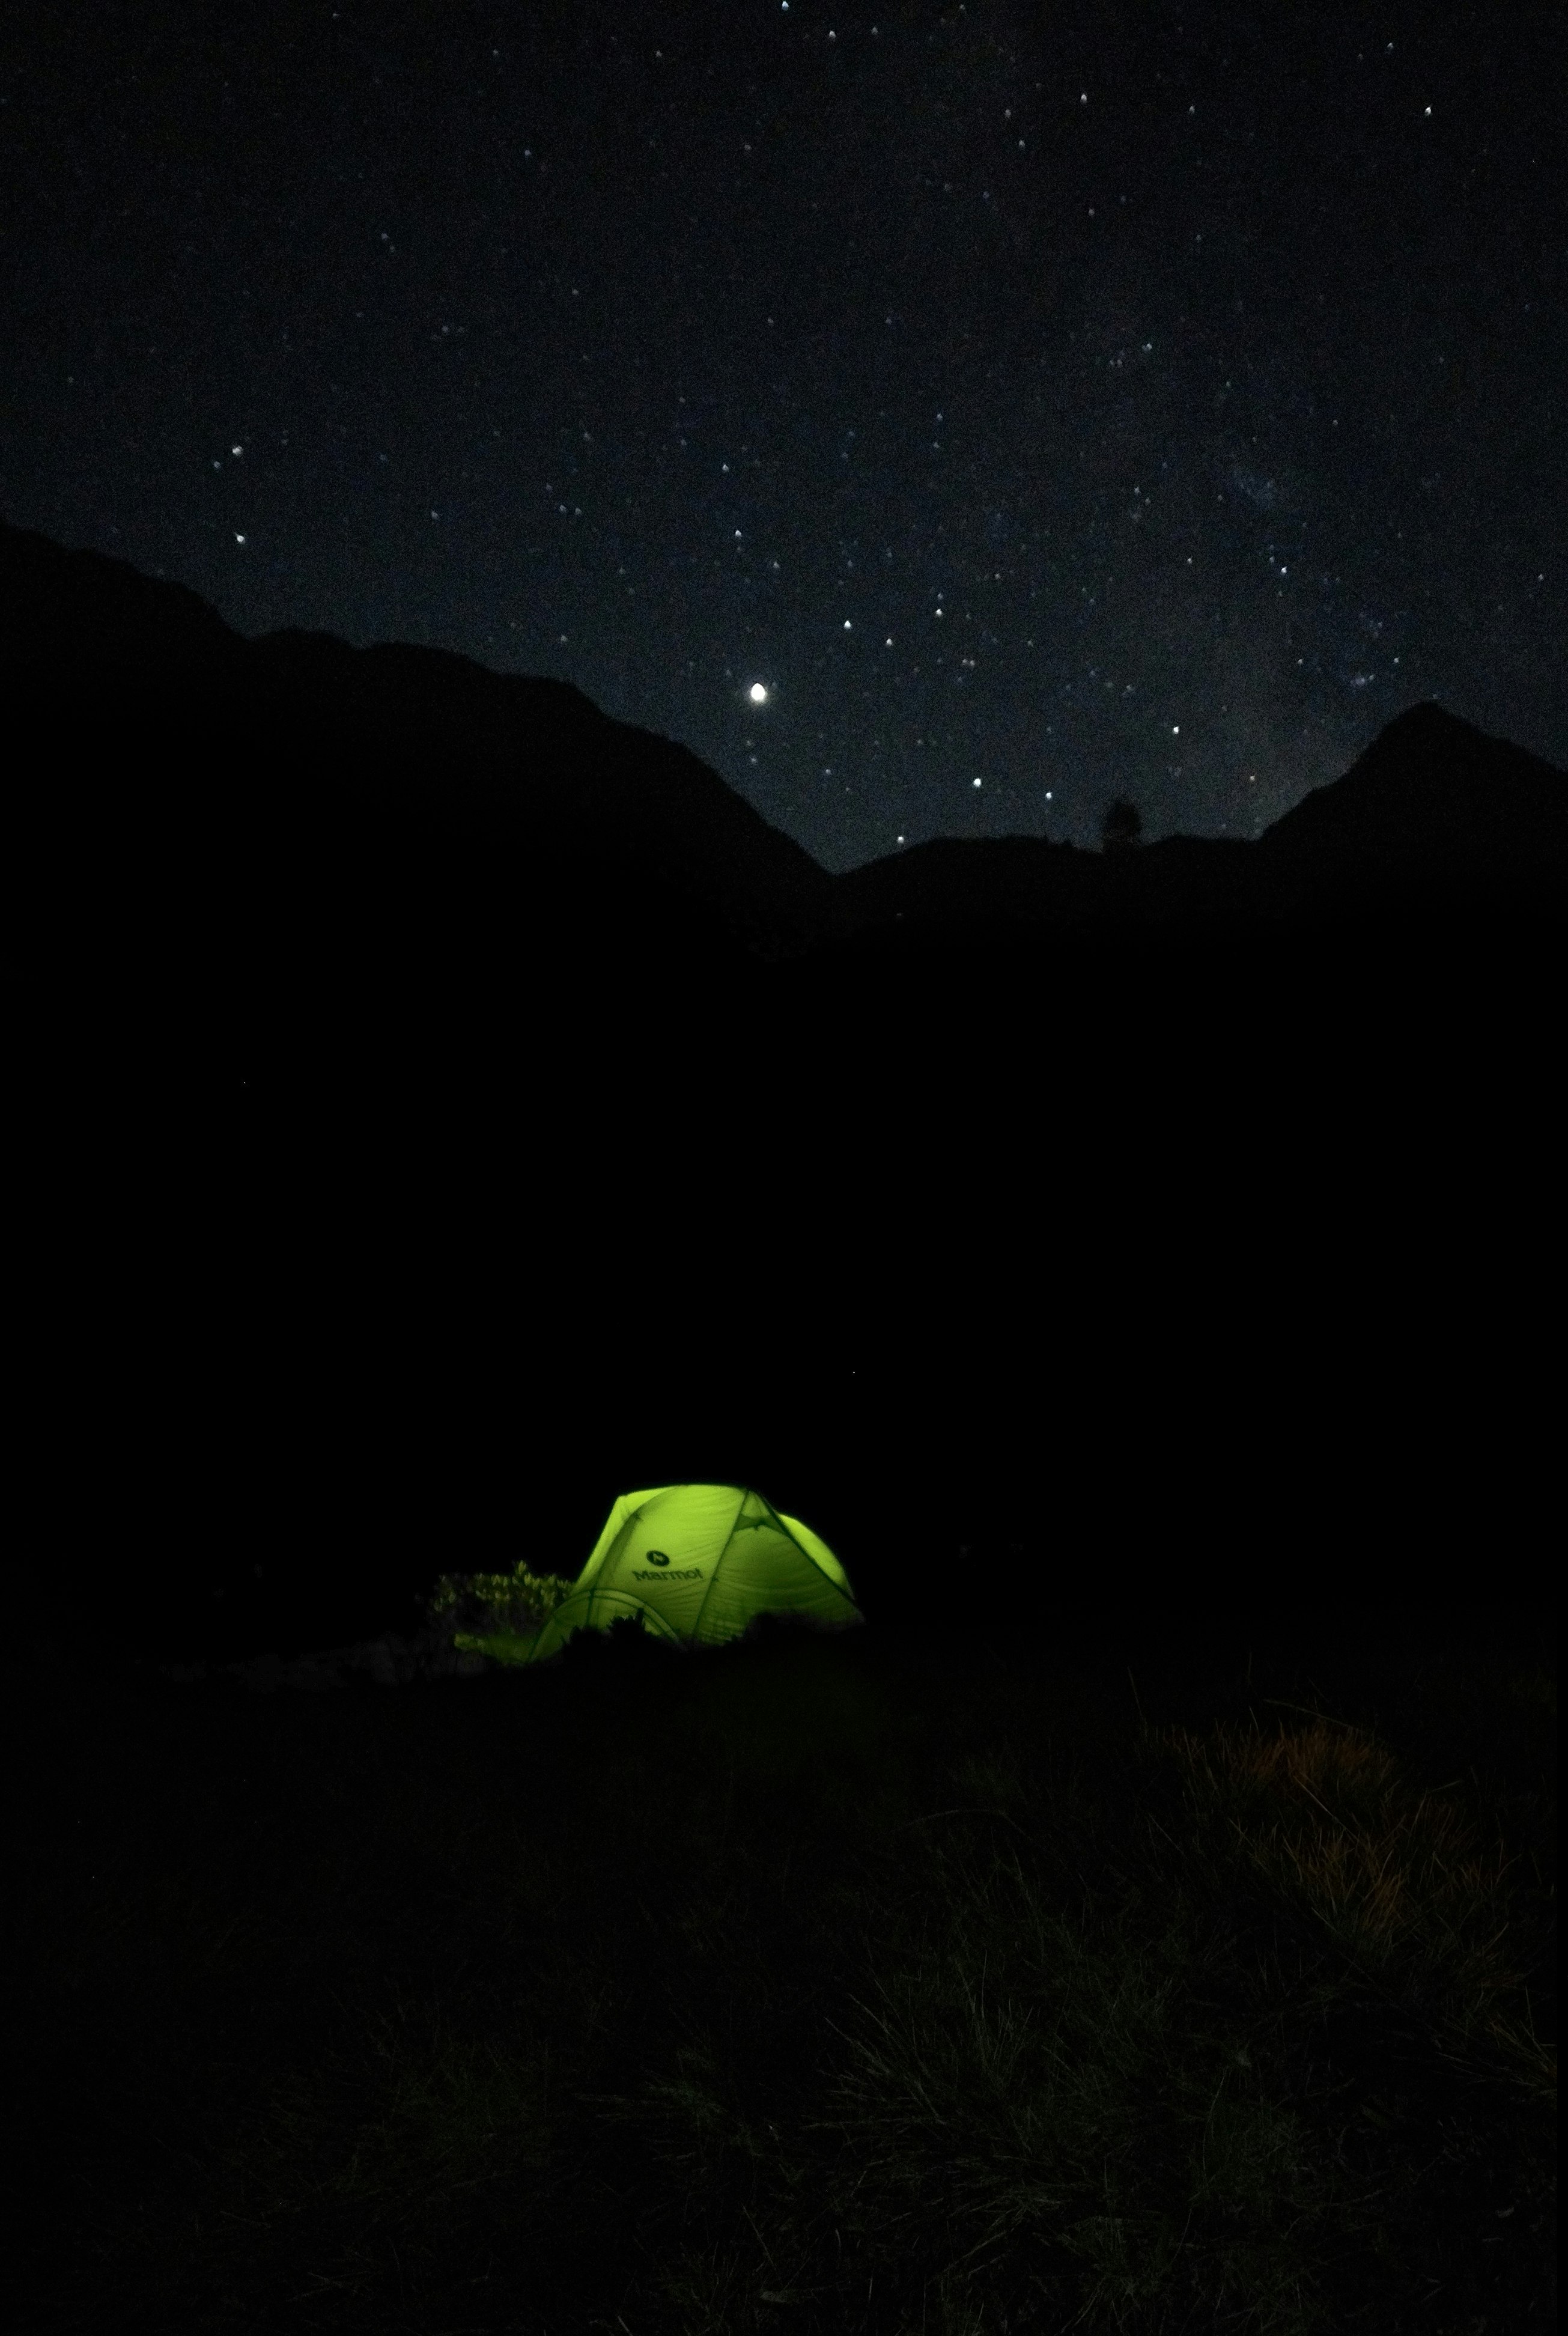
(695,1563)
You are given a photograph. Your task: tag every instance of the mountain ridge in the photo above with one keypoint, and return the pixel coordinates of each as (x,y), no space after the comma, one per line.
(92,641)
(313,730)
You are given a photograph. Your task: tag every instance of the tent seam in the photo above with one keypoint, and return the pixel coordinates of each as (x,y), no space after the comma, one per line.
(707,1593)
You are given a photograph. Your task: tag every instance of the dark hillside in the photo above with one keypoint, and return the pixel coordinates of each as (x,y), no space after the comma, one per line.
(368,1000)
(446,1104)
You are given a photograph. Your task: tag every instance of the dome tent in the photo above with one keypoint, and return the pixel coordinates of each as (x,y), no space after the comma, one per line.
(695,1564)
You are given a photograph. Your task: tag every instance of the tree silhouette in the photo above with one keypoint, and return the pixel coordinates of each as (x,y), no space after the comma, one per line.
(1121,827)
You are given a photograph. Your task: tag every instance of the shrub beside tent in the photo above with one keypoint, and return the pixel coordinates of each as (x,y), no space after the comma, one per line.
(693,1564)
(496,1614)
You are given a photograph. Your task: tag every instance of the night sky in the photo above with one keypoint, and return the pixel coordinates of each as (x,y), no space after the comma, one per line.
(1037,403)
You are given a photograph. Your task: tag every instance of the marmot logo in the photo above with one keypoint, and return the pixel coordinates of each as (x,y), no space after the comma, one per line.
(657,1557)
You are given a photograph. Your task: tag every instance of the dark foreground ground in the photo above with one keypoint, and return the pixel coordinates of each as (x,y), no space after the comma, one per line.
(1173,1978)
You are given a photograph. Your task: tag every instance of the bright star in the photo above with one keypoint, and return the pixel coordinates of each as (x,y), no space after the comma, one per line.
(757,694)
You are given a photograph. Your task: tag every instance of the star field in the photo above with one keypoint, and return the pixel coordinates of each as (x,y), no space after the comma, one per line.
(940,418)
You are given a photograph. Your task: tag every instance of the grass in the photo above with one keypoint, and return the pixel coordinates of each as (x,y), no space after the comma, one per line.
(856,1985)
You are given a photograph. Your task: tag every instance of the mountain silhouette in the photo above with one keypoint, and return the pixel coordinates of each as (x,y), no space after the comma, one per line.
(211,758)
(164,719)
(1435,806)
(351,864)
(357,864)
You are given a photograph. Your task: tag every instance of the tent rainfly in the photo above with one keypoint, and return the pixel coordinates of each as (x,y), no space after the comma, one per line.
(695,1563)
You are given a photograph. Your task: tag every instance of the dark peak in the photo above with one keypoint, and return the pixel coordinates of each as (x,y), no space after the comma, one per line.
(1426,728)
(1426,739)
(1432,799)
